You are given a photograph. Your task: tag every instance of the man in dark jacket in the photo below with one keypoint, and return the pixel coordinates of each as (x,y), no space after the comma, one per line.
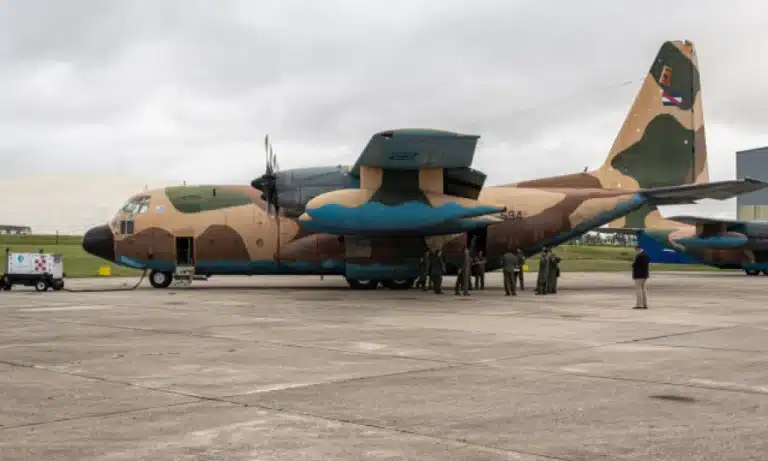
(640,275)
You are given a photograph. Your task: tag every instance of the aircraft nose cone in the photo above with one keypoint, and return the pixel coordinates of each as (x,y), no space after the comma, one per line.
(100,242)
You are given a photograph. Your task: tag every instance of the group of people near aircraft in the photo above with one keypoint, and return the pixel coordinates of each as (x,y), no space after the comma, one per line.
(472,266)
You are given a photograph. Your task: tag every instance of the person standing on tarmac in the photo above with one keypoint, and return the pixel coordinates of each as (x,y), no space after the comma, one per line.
(479,269)
(518,273)
(554,272)
(436,271)
(541,280)
(640,274)
(423,272)
(509,263)
(463,278)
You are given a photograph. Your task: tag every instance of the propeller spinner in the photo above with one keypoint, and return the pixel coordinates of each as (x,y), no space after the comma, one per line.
(267,183)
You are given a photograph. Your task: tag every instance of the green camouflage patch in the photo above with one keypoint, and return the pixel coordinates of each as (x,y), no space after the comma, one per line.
(663,157)
(196,199)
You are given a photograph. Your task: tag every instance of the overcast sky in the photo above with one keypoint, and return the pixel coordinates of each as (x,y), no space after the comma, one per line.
(185,90)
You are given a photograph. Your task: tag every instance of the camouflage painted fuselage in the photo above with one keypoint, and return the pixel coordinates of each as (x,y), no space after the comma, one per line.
(233,234)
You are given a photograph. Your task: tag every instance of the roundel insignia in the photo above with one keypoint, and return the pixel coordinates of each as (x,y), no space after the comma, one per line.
(20,258)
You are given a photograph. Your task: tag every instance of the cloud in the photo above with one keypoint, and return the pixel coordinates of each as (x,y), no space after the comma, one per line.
(186,89)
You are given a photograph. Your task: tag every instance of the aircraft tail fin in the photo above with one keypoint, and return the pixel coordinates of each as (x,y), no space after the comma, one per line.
(662,142)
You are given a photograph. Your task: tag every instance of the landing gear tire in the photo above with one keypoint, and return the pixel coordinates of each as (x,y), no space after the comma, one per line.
(356,284)
(5,285)
(41,285)
(160,279)
(752,271)
(58,285)
(404,284)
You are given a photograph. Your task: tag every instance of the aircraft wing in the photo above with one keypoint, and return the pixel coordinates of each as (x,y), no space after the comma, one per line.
(415,149)
(690,193)
(404,189)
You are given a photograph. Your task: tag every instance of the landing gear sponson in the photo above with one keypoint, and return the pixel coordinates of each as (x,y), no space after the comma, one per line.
(159,279)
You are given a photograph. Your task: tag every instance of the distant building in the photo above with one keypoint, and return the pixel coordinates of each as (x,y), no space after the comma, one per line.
(752,163)
(15,230)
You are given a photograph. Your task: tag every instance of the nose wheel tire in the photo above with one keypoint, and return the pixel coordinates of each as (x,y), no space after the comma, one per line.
(160,279)
(359,284)
(41,285)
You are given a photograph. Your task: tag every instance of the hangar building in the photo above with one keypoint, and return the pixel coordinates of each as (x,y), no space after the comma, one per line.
(752,163)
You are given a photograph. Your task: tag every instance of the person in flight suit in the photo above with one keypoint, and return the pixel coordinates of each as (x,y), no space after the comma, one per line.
(423,272)
(541,280)
(463,277)
(518,273)
(509,263)
(436,271)
(479,270)
(554,272)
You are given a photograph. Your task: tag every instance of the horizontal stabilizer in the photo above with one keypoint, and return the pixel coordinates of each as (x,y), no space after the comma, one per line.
(617,230)
(690,193)
(697,220)
(412,217)
(719,242)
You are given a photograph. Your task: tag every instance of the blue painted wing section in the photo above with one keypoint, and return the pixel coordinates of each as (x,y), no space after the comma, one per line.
(662,254)
(374,218)
(414,149)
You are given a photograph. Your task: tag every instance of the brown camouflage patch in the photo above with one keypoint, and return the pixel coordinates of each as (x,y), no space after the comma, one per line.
(220,243)
(155,241)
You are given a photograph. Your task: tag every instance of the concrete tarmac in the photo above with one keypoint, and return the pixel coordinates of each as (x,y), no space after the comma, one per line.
(295,368)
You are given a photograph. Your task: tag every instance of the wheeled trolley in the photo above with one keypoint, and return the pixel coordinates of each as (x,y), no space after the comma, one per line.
(39,270)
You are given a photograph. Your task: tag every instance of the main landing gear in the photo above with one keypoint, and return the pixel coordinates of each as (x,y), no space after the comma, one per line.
(396,284)
(755,271)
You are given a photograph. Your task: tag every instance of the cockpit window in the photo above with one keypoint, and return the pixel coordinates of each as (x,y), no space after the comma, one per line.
(137,205)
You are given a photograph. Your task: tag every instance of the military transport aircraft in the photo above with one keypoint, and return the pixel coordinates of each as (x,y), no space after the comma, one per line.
(721,243)
(411,190)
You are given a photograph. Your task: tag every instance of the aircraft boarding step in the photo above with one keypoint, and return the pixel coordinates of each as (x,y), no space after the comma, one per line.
(183,276)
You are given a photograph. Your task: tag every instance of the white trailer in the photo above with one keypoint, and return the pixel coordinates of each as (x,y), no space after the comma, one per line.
(40,270)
